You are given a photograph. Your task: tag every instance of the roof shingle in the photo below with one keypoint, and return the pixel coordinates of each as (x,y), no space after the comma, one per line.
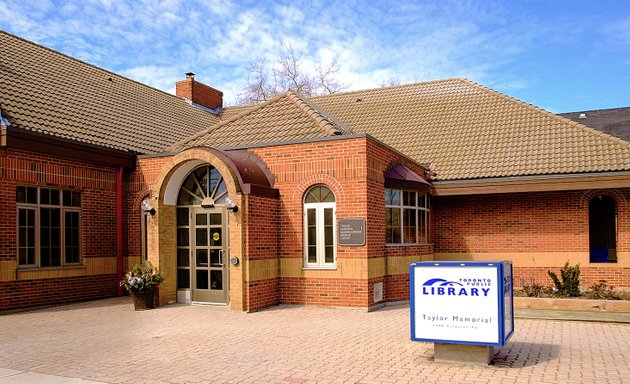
(47,92)
(470,131)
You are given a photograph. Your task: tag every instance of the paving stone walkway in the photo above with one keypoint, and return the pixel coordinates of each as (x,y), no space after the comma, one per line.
(107,341)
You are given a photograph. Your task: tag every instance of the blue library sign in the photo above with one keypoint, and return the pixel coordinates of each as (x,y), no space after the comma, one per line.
(461,302)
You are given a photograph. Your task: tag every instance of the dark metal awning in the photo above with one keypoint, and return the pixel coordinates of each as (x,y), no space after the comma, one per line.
(402,177)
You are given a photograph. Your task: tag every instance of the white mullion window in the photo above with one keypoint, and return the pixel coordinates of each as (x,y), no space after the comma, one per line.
(49,227)
(406,216)
(319,228)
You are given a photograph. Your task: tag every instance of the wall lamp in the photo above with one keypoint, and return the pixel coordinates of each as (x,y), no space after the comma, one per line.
(231,205)
(147,207)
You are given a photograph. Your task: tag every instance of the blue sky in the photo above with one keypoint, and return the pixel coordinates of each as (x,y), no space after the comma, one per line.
(559,55)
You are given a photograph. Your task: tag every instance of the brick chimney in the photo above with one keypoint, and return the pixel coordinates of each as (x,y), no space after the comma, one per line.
(199,93)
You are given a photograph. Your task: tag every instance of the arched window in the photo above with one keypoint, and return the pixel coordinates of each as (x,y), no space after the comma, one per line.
(319,227)
(203,183)
(602,229)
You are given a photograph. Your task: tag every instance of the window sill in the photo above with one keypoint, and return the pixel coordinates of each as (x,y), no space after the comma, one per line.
(318,268)
(407,244)
(35,269)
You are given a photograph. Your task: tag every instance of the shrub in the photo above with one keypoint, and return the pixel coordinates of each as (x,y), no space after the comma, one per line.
(602,291)
(534,290)
(569,283)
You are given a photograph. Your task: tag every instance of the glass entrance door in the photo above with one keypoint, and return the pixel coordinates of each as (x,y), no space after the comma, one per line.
(209,258)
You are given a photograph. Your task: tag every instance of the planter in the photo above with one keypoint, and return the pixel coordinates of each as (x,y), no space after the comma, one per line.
(572,304)
(143,301)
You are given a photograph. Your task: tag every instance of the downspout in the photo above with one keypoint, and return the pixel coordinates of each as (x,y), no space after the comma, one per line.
(119,227)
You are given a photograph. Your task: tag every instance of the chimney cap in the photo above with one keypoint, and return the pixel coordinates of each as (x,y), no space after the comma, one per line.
(190,75)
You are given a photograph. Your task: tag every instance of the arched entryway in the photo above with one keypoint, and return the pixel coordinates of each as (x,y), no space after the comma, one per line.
(198,239)
(202,237)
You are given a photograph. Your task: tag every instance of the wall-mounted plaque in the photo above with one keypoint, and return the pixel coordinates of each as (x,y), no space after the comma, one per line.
(351,232)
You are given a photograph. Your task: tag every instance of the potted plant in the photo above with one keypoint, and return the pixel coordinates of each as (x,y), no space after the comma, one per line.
(141,283)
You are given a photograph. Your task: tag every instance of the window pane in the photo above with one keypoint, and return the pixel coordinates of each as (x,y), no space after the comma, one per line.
(330,255)
(54,197)
(183,278)
(201,219)
(328,216)
(31,195)
(202,278)
(422,226)
(422,200)
(392,197)
(217,237)
(409,198)
(183,259)
(312,254)
(311,216)
(50,237)
(20,194)
(409,223)
(215,219)
(216,258)
(202,258)
(182,217)
(312,235)
(26,236)
(393,225)
(201,236)
(22,256)
(72,237)
(216,278)
(44,196)
(182,237)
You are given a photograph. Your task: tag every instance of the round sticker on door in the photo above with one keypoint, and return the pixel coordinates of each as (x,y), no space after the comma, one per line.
(215,236)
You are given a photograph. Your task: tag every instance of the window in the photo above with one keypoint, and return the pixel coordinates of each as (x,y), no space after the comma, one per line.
(319,228)
(49,227)
(602,229)
(407,217)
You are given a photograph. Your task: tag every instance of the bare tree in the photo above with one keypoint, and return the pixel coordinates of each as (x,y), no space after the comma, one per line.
(389,82)
(287,72)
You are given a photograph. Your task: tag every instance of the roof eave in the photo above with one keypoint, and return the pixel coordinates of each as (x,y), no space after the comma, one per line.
(16,138)
(534,183)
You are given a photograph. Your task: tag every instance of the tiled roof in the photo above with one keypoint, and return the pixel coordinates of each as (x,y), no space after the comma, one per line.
(44,91)
(284,118)
(470,131)
(614,121)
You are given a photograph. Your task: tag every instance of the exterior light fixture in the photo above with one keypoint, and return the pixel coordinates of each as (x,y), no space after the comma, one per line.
(231,205)
(147,207)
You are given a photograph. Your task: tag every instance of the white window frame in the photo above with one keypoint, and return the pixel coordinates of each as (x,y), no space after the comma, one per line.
(319,241)
(417,209)
(62,227)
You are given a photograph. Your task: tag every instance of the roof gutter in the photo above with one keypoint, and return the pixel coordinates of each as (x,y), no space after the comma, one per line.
(537,183)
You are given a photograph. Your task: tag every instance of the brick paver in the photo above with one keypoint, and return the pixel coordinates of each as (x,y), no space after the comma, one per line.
(108,341)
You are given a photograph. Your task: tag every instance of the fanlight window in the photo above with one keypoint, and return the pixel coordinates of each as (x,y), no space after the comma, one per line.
(204,182)
(319,194)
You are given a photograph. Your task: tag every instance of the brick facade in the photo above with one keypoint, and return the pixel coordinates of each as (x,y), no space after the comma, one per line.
(96,276)
(538,231)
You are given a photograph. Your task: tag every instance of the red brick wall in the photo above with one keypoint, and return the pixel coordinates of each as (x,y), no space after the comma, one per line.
(42,292)
(98,223)
(261,242)
(324,292)
(137,185)
(542,222)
